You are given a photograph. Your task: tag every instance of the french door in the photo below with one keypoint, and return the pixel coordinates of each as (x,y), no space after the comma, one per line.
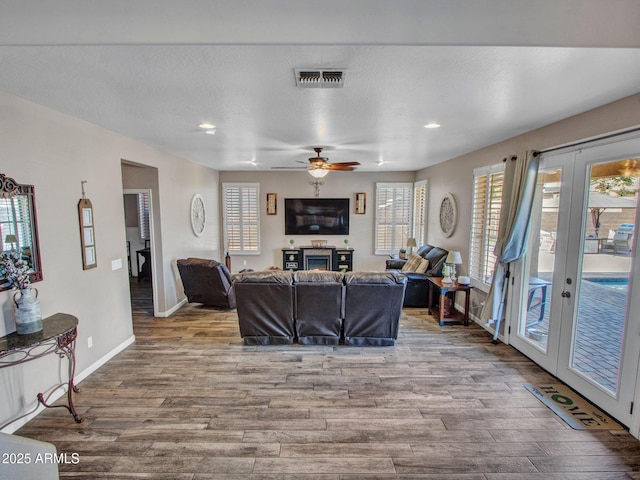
(573,291)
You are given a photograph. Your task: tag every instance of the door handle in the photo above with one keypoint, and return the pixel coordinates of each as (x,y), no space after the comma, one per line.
(566,294)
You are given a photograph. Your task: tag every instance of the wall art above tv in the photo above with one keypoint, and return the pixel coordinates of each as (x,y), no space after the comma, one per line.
(316,216)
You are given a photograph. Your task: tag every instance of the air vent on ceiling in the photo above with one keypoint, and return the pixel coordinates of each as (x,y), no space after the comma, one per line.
(329,78)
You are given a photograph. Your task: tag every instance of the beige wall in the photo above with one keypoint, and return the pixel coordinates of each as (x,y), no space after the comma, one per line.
(55,153)
(297,185)
(456,175)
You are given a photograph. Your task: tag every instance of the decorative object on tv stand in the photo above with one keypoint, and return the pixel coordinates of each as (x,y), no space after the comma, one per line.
(87,232)
(27,313)
(346,243)
(411,243)
(453,259)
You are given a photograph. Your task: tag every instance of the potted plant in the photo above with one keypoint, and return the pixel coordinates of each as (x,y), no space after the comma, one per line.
(346,243)
(403,253)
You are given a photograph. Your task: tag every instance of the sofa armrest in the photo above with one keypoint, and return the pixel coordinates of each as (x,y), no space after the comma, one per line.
(395,264)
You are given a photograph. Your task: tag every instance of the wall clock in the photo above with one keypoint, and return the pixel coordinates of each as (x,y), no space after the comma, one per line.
(448,214)
(198,215)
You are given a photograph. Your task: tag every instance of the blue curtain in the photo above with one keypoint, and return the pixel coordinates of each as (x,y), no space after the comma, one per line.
(519,188)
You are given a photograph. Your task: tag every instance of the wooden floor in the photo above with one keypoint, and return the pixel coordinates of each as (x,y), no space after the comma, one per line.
(189,401)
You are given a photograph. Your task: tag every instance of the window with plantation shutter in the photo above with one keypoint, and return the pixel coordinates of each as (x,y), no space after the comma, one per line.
(143,216)
(15,221)
(393,217)
(485,219)
(241,217)
(419,211)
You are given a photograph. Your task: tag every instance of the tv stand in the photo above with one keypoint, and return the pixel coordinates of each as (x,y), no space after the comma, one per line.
(317,258)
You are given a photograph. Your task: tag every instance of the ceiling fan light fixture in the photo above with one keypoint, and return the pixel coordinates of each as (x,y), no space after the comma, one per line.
(318,172)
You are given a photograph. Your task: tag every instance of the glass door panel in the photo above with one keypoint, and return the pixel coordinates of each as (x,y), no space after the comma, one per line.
(538,330)
(602,290)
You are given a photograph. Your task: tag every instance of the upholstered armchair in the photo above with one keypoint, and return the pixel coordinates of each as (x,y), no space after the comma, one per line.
(265,307)
(207,282)
(318,307)
(373,305)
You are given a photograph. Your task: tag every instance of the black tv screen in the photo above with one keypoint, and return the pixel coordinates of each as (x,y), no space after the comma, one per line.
(316,216)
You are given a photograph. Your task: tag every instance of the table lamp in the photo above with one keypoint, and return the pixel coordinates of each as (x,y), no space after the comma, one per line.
(12,239)
(411,242)
(453,259)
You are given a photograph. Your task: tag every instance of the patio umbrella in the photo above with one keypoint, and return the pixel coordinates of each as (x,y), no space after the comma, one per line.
(599,202)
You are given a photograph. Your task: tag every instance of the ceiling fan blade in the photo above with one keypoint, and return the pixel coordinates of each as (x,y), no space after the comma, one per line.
(337,166)
(347,164)
(288,168)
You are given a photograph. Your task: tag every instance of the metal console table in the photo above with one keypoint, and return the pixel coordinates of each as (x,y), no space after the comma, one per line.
(58,336)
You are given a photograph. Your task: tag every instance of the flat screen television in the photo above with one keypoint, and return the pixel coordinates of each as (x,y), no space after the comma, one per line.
(316,216)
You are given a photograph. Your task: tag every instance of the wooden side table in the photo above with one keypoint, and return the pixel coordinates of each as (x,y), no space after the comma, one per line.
(439,311)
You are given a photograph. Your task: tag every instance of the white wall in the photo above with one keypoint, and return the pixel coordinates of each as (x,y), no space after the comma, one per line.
(297,185)
(55,152)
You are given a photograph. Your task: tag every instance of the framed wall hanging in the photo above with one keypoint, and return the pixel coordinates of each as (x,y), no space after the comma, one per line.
(361,203)
(272,204)
(87,232)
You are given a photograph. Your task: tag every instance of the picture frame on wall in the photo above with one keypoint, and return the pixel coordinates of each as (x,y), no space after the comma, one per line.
(361,203)
(87,234)
(272,204)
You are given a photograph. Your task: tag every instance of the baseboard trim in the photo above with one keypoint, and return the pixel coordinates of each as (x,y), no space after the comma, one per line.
(62,390)
(173,309)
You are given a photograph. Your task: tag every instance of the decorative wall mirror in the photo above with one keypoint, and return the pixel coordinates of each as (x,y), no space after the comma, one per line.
(19,226)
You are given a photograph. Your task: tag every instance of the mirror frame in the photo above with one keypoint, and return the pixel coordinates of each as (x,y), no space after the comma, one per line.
(9,188)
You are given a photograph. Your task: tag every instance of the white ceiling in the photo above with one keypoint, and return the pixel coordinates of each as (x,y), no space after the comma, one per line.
(486,70)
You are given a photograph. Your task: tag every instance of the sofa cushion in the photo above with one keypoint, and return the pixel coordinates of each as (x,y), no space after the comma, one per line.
(412,264)
(436,257)
(424,265)
(284,277)
(315,276)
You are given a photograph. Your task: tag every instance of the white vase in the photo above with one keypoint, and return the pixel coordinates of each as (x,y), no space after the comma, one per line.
(27,311)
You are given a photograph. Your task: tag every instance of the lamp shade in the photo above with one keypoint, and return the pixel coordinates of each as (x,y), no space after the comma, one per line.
(454,257)
(318,172)
(10,239)
(411,242)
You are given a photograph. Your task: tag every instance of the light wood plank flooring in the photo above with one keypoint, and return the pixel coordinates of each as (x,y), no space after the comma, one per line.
(188,401)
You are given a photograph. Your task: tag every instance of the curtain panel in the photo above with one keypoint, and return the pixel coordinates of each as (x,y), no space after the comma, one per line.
(520,177)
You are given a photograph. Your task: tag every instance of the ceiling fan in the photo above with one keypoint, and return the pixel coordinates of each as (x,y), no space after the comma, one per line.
(320,166)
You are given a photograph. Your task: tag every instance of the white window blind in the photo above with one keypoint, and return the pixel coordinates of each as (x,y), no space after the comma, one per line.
(485,219)
(241,217)
(393,216)
(419,211)
(143,216)
(14,220)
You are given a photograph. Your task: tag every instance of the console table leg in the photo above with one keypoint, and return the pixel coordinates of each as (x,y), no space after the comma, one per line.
(68,351)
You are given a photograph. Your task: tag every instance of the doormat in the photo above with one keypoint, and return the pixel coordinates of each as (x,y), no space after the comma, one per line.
(572,408)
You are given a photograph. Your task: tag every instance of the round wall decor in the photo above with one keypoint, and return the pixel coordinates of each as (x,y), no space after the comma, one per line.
(198,215)
(448,214)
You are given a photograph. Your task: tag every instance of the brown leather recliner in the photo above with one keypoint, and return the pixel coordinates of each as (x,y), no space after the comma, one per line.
(207,282)
(265,307)
(373,305)
(318,307)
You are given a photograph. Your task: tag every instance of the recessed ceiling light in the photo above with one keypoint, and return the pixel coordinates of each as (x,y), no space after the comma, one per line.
(206,125)
(432,125)
(210,132)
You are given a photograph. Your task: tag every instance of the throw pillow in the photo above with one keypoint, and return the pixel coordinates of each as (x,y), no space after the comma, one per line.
(412,263)
(422,268)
